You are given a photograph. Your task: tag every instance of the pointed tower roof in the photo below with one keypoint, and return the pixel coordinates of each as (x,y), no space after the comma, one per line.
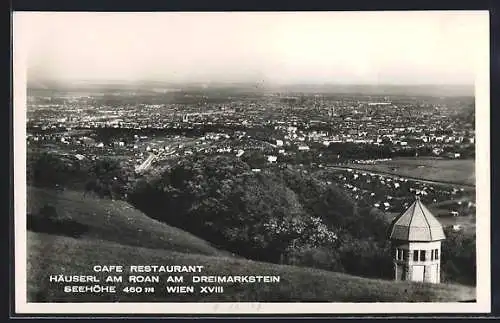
(416,224)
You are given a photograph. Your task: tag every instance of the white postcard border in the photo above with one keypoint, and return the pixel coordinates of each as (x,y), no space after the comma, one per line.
(483,301)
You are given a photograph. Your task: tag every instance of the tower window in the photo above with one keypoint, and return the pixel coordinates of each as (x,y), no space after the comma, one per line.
(415,255)
(405,254)
(432,254)
(437,254)
(401,253)
(422,255)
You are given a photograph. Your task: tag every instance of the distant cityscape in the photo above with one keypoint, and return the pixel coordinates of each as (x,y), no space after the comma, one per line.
(293,129)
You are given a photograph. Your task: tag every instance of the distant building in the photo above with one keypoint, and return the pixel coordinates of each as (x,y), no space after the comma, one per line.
(272,159)
(437,151)
(416,237)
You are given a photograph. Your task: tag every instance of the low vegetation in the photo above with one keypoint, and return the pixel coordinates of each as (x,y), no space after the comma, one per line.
(277,216)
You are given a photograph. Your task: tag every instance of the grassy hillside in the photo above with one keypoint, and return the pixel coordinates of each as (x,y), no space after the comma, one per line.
(115,221)
(49,254)
(83,231)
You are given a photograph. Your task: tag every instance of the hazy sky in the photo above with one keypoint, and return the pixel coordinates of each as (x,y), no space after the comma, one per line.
(302,47)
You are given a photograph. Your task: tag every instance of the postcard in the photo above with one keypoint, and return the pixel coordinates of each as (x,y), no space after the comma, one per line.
(251,162)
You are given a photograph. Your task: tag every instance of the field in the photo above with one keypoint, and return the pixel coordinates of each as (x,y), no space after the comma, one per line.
(98,231)
(460,171)
(466,222)
(50,254)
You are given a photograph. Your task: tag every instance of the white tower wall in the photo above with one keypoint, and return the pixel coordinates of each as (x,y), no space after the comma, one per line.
(417,261)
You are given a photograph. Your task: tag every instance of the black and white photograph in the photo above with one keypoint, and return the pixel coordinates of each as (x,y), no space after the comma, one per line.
(252,162)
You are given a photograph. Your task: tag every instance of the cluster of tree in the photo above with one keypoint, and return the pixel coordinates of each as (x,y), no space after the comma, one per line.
(345,152)
(254,158)
(51,170)
(106,178)
(102,177)
(47,220)
(349,150)
(299,157)
(458,257)
(278,216)
(361,231)
(220,199)
(108,135)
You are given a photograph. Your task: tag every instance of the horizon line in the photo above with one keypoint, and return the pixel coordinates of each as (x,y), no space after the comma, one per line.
(222,82)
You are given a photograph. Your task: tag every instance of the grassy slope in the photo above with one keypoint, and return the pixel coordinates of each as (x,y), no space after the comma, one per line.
(117,221)
(119,234)
(452,171)
(62,255)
